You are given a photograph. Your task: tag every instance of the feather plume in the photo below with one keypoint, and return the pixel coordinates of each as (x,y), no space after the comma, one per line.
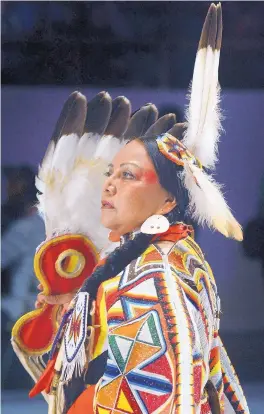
(98,113)
(119,119)
(71,175)
(207,203)
(108,147)
(71,183)
(203,114)
(141,121)
(72,117)
(162,125)
(178,130)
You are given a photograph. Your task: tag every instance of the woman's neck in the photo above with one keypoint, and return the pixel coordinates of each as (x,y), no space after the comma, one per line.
(176,231)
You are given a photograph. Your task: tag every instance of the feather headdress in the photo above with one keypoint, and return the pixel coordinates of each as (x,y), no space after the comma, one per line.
(85,140)
(207,203)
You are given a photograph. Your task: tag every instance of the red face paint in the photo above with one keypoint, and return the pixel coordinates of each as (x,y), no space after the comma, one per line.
(150,177)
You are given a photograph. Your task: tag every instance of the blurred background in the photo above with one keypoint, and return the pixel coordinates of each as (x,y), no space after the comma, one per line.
(145,51)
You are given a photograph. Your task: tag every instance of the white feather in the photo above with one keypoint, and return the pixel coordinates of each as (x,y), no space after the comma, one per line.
(87,146)
(207,203)
(203,114)
(40,185)
(70,181)
(108,147)
(64,154)
(47,160)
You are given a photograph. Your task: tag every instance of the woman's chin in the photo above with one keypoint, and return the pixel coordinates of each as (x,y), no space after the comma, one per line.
(107,221)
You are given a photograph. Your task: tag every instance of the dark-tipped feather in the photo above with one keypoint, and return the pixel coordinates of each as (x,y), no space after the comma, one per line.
(209,32)
(162,125)
(72,117)
(203,115)
(121,110)
(178,130)
(98,113)
(219,27)
(141,121)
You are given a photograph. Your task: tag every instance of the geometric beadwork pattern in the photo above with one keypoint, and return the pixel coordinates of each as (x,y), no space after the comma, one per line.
(148,357)
(133,303)
(137,378)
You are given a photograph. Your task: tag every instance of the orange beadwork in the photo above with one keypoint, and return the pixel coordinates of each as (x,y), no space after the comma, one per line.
(175,151)
(61,265)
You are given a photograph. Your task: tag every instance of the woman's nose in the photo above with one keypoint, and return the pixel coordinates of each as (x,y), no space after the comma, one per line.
(110,189)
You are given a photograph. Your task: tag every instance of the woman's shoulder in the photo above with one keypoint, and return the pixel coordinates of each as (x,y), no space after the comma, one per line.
(187,257)
(184,247)
(187,250)
(184,256)
(189,246)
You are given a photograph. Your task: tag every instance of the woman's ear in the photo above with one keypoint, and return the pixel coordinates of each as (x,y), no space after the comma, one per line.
(169,205)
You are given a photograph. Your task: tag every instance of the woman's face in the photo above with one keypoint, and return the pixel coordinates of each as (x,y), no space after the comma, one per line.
(132,191)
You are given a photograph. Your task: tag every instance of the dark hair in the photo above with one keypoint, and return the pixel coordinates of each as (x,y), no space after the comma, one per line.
(169,177)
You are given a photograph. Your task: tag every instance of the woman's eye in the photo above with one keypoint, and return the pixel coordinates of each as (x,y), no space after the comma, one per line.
(128,174)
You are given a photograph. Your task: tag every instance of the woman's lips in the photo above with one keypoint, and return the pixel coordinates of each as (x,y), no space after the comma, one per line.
(107,205)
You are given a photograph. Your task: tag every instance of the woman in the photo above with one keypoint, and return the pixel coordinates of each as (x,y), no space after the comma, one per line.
(158,307)
(141,336)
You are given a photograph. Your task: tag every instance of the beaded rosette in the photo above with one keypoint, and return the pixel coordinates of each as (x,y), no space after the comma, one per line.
(61,265)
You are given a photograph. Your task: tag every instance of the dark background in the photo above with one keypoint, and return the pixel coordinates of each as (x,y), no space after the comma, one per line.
(150,44)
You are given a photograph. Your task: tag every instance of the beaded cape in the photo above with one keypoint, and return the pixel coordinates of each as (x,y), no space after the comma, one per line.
(155,345)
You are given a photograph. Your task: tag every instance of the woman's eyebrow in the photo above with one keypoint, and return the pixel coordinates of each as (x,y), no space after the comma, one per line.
(130,163)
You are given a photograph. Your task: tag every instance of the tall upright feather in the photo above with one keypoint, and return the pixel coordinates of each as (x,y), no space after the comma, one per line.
(203,114)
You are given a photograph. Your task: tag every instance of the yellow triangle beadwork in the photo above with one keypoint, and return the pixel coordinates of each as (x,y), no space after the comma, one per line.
(123,403)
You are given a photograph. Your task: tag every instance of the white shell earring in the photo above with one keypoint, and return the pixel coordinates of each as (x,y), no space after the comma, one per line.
(155,224)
